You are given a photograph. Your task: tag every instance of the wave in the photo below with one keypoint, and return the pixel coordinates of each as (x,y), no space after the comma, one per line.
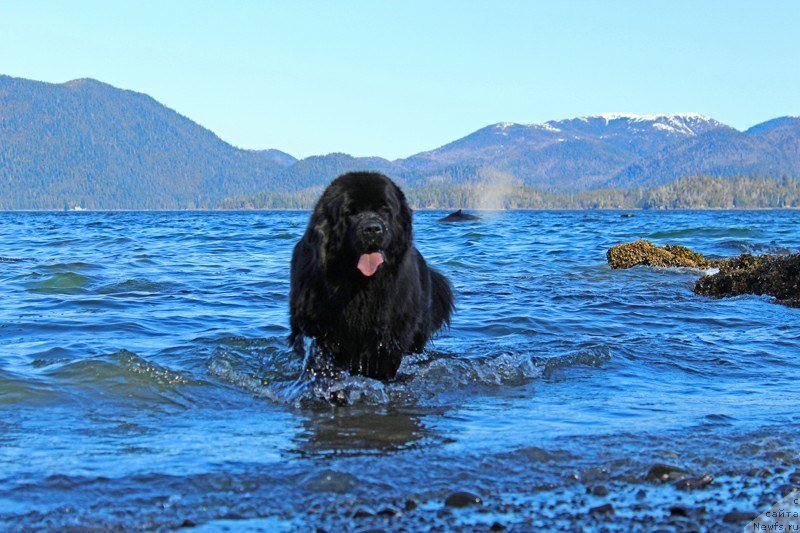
(122,374)
(123,365)
(137,285)
(749,247)
(705,232)
(16,389)
(60,283)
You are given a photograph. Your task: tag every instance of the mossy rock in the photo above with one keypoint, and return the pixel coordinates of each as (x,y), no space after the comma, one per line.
(777,276)
(644,252)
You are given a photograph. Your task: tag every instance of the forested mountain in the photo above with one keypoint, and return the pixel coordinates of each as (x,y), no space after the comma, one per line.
(764,150)
(85,143)
(89,144)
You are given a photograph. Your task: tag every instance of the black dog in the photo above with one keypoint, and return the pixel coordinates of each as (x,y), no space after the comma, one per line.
(359,287)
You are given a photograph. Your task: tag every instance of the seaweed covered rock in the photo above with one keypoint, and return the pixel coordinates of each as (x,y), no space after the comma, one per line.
(643,252)
(777,276)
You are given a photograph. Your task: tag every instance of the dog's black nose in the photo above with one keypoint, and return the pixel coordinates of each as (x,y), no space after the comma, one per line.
(373,228)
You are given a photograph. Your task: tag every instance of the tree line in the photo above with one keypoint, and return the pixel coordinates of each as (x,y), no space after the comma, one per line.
(698,192)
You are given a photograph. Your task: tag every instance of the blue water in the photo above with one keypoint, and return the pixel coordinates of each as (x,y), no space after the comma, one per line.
(145,381)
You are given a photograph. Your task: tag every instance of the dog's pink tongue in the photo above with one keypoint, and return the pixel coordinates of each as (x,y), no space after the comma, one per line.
(368,263)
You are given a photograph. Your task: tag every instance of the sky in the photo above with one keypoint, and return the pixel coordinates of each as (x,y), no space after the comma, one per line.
(395,78)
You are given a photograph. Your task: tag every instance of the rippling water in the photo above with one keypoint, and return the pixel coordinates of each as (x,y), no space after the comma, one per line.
(145,381)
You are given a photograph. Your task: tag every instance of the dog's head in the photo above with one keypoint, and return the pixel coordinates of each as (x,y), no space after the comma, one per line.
(363,223)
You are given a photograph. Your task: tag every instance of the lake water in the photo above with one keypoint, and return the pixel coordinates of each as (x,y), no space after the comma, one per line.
(145,381)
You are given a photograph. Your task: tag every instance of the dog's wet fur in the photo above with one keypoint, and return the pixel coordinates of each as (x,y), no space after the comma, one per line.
(359,287)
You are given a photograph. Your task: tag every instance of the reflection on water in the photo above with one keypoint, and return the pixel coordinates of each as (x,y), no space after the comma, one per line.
(362,431)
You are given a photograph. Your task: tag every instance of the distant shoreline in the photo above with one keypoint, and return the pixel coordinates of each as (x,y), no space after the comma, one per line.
(421,209)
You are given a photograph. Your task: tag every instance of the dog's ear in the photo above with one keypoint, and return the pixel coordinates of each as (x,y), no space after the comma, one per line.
(402,240)
(329,224)
(406,215)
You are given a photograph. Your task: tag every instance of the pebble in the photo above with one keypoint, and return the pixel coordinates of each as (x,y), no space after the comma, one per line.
(678,510)
(692,483)
(462,499)
(738,517)
(759,472)
(606,508)
(388,512)
(661,473)
(362,513)
(684,511)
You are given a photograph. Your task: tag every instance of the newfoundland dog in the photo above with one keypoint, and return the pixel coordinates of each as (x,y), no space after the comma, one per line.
(359,287)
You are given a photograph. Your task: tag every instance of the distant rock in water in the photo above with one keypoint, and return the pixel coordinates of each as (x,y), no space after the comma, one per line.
(777,276)
(459,216)
(643,252)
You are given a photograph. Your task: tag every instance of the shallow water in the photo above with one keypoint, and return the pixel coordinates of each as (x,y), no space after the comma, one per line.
(145,381)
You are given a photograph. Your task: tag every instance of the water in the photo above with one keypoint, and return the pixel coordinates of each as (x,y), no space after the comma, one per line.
(145,381)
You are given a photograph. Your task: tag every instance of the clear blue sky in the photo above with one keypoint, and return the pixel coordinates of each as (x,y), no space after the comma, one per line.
(394,78)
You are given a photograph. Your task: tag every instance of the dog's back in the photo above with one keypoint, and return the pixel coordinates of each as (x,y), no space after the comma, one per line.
(442,303)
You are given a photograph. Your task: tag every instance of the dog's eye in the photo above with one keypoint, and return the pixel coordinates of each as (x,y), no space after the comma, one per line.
(386,210)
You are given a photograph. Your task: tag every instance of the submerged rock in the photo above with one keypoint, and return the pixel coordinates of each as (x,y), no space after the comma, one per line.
(459,216)
(661,473)
(330,481)
(777,276)
(644,252)
(599,490)
(693,483)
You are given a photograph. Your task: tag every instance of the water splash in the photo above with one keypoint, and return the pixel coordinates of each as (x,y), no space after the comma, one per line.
(427,379)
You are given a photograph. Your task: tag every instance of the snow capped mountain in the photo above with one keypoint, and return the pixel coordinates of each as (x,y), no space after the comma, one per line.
(614,149)
(682,124)
(609,125)
(577,146)
(504,126)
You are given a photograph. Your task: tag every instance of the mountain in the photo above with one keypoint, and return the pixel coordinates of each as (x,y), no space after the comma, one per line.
(90,144)
(281,158)
(768,149)
(573,153)
(774,124)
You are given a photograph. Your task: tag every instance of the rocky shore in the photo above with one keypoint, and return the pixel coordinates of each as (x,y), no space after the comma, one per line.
(773,275)
(777,276)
